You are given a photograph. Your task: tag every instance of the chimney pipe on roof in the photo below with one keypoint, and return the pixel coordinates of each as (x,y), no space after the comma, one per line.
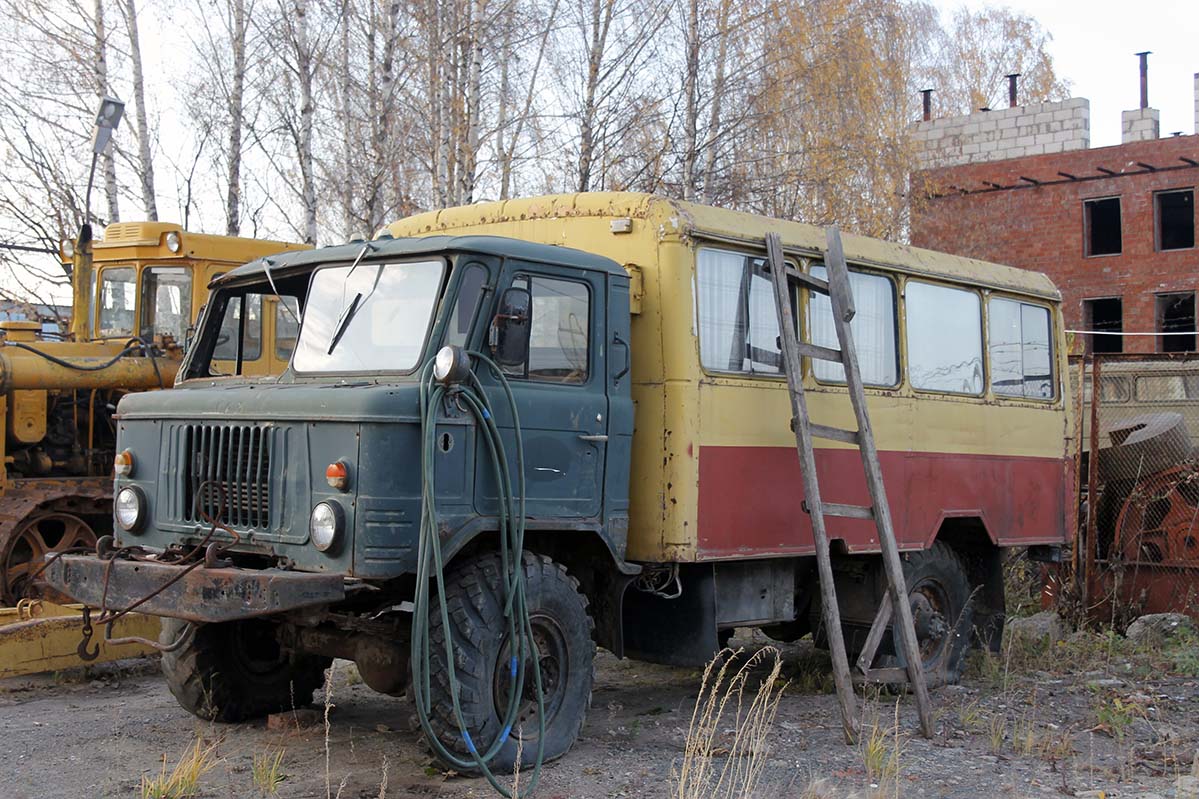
(1011,89)
(927,99)
(1144,77)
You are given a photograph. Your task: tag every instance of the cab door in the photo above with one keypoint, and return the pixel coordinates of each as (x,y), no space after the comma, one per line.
(560,393)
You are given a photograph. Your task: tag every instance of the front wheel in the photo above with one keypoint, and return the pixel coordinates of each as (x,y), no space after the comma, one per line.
(236,671)
(565,651)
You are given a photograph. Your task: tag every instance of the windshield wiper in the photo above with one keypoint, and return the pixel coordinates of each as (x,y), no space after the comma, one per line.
(343,322)
(347,314)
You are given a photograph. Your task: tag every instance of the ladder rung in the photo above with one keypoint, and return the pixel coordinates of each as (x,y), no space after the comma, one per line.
(814,283)
(819,352)
(833,433)
(848,511)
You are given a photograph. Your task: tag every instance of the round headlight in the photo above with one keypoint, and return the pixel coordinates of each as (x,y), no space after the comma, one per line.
(68,248)
(173,242)
(451,365)
(324,526)
(130,509)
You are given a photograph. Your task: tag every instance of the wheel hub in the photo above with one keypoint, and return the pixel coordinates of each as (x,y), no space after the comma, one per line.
(929,620)
(549,658)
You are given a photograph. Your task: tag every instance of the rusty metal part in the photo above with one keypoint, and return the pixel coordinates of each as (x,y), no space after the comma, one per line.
(39,636)
(1144,445)
(382,662)
(38,537)
(1159,523)
(26,500)
(186,592)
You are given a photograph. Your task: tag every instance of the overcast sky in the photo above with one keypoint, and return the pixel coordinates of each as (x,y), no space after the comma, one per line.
(1094,42)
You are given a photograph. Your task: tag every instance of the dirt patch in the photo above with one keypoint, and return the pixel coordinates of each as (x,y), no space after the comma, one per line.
(1011,729)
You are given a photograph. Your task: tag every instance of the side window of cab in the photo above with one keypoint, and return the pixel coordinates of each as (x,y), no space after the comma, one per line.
(557,312)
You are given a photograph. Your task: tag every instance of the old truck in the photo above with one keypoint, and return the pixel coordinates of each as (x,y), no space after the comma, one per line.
(136,293)
(618,355)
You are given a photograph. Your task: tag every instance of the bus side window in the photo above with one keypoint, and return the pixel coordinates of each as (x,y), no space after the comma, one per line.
(227,341)
(738,323)
(287,326)
(1021,357)
(118,294)
(945,338)
(873,329)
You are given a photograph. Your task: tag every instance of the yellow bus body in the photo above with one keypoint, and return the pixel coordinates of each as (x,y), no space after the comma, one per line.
(714,473)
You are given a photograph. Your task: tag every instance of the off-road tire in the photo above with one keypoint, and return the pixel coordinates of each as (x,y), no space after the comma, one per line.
(939,571)
(474,596)
(214,677)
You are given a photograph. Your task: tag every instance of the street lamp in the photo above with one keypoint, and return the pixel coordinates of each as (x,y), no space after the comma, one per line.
(107,119)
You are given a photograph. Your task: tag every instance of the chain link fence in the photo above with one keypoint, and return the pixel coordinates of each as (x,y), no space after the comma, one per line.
(1138,541)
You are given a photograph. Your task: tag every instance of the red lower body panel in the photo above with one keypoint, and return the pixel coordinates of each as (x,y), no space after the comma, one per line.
(750,498)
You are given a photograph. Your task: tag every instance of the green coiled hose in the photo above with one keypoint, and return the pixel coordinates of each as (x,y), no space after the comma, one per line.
(430,570)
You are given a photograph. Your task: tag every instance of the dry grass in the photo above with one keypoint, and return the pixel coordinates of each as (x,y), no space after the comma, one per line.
(267,771)
(727,741)
(184,779)
(882,751)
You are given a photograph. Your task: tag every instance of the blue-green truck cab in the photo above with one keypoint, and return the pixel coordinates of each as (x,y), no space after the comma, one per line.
(273,522)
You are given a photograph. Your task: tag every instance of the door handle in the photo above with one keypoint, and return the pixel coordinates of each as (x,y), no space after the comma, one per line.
(594,439)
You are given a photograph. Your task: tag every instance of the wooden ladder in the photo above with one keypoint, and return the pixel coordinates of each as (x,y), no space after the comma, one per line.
(785,278)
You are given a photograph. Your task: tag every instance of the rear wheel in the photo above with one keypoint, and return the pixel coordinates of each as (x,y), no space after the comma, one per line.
(237,670)
(939,594)
(562,631)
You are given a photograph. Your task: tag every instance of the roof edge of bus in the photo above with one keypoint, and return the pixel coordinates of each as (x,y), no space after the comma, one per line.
(696,221)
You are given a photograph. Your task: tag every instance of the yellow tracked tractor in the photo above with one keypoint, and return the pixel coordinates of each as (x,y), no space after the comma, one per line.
(135,295)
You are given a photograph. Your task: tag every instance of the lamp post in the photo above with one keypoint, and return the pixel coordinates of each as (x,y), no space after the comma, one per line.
(107,119)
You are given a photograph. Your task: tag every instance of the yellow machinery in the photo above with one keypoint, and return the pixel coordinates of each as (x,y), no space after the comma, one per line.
(135,296)
(38,635)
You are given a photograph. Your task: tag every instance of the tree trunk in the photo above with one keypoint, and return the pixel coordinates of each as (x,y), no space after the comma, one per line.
(347,159)
(474,93)
(601,18)
(306,68)
(712,138)
(236,118)
(100,68)
(144,157)
(691,97)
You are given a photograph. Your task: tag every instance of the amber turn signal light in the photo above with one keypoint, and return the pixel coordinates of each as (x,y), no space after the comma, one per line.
(337,476)
(122,464)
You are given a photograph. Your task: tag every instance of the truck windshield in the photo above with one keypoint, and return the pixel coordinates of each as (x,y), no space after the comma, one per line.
(368,318)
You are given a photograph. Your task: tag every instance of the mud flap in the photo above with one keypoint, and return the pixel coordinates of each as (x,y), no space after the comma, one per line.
(673,632)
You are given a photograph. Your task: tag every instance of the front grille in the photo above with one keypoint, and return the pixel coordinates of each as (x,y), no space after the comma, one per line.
(226,474)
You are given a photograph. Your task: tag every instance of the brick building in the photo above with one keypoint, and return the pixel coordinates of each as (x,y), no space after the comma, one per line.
(1114,227)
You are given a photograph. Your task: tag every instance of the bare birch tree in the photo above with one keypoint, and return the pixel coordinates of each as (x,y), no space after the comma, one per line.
(145,158)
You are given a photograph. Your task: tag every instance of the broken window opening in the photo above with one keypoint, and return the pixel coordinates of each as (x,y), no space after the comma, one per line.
(1103,226)
(1104,316)
(1175,219)
(1176,314)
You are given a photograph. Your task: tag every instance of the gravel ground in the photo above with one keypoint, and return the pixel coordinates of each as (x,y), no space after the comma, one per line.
(95,734)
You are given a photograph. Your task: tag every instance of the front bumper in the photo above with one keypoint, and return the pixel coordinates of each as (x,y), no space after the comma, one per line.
(205,595)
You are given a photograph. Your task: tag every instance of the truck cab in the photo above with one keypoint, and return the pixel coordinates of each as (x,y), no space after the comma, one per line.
(302,493)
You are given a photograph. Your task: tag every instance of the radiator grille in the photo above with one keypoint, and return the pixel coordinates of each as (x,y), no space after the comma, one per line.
(226,474)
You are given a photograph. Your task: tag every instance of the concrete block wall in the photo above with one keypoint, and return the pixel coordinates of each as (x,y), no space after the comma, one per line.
(1005,133)
(1141,124)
